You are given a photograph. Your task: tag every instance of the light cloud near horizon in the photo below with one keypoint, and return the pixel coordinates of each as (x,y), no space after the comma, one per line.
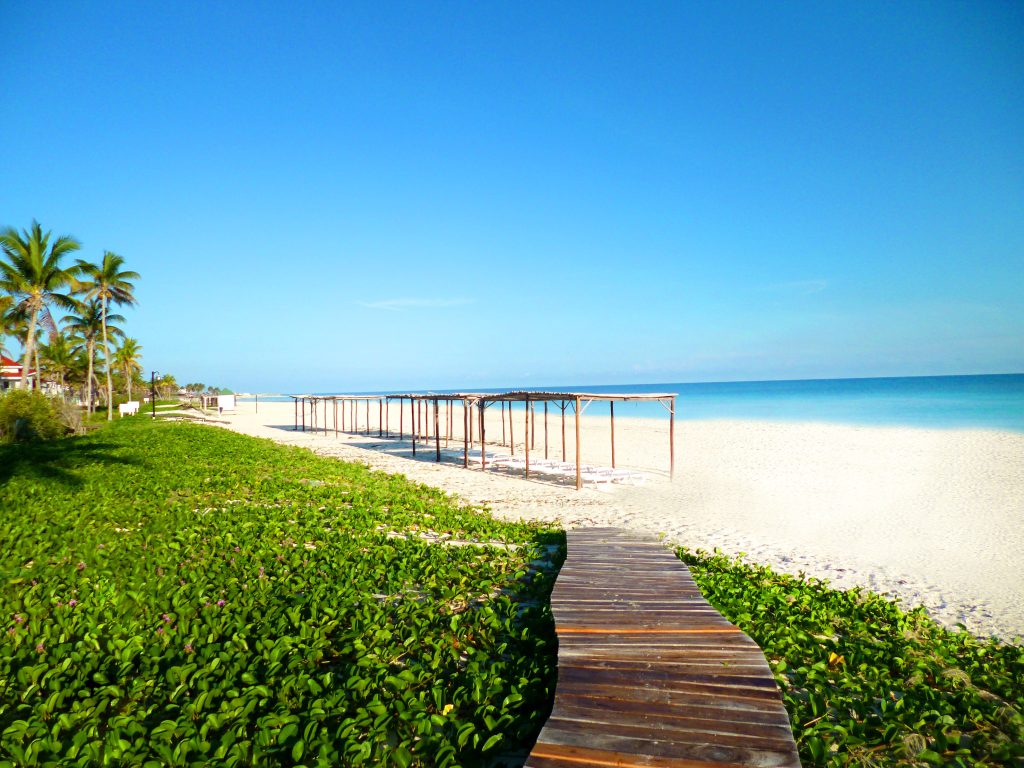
(399,305)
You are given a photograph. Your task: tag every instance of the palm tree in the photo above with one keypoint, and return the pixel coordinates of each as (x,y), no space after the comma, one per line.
(167,385)
(33,276)
(87,326)
(108,283)
(6,324)
(127,359)
(59,358)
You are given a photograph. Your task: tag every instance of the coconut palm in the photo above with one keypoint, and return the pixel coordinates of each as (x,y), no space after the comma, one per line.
(59,358)
(87,324)
(34,277)
(167,385)
(108,283)
(6,324)
(126,358)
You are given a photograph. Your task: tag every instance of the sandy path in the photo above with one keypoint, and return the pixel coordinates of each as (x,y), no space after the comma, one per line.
(935,517)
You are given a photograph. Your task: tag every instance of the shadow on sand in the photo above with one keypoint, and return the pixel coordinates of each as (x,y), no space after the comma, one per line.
(426,452)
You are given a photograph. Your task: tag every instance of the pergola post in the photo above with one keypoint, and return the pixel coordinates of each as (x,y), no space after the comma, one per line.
(303,414)
(611,405)
(545,429)
(294,400)
(335,418)
(483,444)
(502,422)
(380,417)
(412,417)
(563,430)
(672,439)
(511,432)
(526,431)
(437,434)
(579,476)
(465,433)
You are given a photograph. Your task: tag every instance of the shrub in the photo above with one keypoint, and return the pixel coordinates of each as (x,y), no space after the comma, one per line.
(29,415)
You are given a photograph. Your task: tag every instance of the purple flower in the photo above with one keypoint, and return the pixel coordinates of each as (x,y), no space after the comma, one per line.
(221,603)
(188,648)
(72,603)
(81,566)
(18,619)
(160,631)
(40,648)
(165,617)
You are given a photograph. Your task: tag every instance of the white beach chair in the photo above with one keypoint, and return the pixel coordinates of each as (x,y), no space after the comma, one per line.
(130,408)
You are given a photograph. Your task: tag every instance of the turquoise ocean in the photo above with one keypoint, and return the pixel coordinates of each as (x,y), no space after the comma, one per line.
(944,402)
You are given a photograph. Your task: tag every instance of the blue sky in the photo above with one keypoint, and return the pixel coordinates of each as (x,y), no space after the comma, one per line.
(389,195)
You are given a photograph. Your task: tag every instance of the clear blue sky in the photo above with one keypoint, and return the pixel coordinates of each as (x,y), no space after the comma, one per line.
(342,196)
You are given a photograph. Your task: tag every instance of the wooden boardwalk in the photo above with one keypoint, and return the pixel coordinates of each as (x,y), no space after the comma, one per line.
(649,674)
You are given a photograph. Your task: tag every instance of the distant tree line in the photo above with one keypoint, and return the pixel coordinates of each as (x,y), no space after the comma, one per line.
(85,351)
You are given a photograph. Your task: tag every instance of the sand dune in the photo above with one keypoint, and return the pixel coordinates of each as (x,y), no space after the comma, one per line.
(933,517)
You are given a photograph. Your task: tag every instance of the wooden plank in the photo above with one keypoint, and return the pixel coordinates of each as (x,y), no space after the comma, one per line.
(649,673)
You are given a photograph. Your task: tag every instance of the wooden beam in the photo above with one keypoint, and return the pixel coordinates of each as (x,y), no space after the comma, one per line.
(545,429)
(483,443)
(672,440)
(437,434)
(526,431)
(465,433)
(612,406)
(563,430)
(412,423)
(579,475)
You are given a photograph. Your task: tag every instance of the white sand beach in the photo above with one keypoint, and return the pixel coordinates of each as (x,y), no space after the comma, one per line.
(934,517)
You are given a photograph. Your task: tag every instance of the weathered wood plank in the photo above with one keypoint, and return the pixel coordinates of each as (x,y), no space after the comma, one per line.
(649,673)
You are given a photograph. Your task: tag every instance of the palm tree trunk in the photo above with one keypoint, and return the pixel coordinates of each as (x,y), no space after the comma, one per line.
(88,381)
(39,372)
(128,376)
(29,344)
(106,355)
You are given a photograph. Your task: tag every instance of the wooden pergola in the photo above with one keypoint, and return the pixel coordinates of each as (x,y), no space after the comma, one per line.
(421,419)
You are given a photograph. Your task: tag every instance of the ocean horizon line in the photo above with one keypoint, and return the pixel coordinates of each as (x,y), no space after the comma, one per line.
(955,401)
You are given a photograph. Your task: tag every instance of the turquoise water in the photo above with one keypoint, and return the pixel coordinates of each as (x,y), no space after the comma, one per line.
(945,402)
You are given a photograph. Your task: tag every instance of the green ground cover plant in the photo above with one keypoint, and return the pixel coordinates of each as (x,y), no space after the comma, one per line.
(866,683)
(173,594)
(27,415)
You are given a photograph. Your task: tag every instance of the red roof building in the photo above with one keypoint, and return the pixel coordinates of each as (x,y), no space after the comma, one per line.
(10,373)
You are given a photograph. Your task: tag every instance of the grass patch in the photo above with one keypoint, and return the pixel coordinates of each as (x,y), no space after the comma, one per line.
(172,594)
(866,683)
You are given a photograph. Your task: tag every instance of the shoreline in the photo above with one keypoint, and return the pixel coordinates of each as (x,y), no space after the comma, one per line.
(929,516)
